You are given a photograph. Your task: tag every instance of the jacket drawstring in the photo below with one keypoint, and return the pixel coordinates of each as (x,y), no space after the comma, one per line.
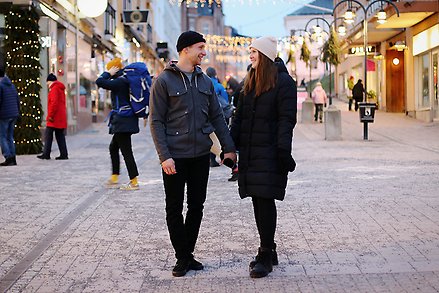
(184,81)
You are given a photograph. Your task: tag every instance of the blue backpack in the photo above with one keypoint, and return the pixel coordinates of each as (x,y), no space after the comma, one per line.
(139,80)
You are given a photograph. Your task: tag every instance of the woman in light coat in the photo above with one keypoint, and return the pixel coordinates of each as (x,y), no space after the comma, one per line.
(319,98)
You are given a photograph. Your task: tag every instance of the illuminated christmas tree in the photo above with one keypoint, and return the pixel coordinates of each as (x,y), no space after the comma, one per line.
(22,49)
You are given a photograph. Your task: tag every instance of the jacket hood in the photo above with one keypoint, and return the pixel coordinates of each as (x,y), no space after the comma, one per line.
(280,65)
(173,67)
(57,84)
(6,81)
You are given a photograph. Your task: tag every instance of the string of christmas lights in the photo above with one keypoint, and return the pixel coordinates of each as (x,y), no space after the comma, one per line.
(22,47)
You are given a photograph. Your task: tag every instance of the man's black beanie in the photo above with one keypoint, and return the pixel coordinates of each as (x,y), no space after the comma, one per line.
(189,38)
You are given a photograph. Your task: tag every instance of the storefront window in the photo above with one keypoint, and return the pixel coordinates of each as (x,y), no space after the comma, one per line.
(424,101)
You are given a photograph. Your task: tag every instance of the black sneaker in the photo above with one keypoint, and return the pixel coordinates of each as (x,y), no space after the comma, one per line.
(195,265)
(43,157)
(61,158)
(181,267)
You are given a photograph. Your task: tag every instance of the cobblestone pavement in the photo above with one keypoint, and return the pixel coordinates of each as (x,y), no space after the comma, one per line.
(359,216)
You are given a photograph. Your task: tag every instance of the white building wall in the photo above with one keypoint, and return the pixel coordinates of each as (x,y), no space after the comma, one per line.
(167,24)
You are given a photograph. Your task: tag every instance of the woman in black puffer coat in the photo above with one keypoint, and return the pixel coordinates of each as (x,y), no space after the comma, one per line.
(262,131)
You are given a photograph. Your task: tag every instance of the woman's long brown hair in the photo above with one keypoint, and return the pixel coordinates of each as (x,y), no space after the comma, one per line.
(263,78)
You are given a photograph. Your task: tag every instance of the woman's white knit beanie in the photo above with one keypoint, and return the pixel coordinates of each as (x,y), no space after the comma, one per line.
(267,46)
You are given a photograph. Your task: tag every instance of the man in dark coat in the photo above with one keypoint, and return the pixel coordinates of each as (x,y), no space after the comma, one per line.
(121,127)
(9,112)
(184,110)
(357,93)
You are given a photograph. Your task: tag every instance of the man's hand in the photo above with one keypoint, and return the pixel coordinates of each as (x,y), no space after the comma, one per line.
(113,70)
(168,167)
(50,119)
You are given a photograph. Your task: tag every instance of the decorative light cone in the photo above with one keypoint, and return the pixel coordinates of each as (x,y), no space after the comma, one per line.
(317,30)
(349,16)
(92,8)
(341,30)
(382,16)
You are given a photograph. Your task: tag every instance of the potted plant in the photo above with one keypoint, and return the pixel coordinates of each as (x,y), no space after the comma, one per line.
(371,95)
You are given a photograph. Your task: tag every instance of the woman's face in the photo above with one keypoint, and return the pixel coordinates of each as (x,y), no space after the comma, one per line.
(254,57)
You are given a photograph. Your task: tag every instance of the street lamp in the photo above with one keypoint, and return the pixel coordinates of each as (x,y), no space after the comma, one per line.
(318,30)
(349,18)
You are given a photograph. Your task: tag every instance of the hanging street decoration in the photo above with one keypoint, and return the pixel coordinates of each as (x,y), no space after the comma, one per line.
(228,49)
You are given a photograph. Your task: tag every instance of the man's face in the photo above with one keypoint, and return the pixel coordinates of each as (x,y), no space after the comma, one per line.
(196,53)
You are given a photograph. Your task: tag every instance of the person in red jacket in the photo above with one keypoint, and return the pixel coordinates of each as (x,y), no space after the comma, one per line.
(56,120)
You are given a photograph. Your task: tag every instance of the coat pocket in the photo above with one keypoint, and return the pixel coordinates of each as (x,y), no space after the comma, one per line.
(177,124)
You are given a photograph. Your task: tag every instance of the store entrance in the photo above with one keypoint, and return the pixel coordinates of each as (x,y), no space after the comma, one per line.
(435,85)
(395,101)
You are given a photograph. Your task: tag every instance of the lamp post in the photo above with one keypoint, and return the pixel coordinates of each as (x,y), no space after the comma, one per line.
(329,26)
(381,17)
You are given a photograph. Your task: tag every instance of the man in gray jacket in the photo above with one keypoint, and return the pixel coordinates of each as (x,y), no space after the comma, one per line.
(184,110)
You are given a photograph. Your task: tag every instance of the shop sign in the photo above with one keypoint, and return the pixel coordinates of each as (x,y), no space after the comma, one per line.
(135,16)
(46,42)
(360,50)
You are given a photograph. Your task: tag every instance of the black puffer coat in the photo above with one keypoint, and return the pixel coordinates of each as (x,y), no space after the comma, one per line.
(263,125)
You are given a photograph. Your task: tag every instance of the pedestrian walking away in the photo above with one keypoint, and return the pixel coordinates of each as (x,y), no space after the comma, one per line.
(319,98)
(56,120)
(121,125)
(357,93)
(262,131)
(184,110)
(9,112)
(350,87)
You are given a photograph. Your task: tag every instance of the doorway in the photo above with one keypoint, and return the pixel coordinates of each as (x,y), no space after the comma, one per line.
(395,101)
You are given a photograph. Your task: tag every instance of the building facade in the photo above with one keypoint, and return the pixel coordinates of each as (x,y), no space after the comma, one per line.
(76,48)
(209,21)
(296,23)
(402,56)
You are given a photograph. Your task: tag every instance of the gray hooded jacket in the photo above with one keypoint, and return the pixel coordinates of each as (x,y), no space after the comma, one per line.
(183,113)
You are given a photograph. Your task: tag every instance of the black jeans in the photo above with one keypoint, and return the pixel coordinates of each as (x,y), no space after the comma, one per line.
(351,100)
(266,217)
(318,112)
(193,173)
(122,142)
(60,140)
(357,105)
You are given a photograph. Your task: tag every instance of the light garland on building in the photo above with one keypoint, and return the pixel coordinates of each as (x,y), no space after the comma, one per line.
(218,3)
(228,49)
(197,3)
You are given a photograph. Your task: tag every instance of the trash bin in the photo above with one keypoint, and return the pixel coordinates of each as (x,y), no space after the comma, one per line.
(367,112)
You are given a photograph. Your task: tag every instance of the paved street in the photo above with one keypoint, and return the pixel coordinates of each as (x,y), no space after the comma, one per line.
(359,216)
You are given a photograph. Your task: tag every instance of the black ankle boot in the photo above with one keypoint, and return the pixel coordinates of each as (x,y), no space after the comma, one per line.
(274,258)
(9,162)
(264,263)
